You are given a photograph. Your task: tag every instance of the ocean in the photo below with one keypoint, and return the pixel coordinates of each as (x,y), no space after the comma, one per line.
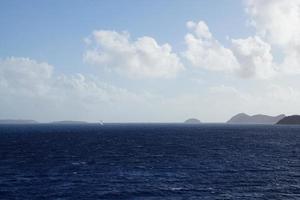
(149,161)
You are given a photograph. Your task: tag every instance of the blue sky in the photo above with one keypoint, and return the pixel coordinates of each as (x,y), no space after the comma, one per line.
(53,31)
(225,56)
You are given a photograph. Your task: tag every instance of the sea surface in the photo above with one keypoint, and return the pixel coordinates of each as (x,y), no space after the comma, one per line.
(154,161)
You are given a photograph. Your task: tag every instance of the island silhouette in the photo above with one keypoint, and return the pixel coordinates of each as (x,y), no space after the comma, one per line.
(294,119)
(243,118)
(192,121)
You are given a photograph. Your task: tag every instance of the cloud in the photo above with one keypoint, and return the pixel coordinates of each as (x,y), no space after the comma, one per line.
(291,61)
(204,51)
(254,56)
(250,57)
(24,75)
(277,22)
(142,58)
(246,57)
(32,89)
(46,95)
(285,94)
(277,29)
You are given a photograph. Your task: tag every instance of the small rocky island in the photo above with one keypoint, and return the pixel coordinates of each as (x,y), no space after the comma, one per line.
(294,119)
(192,121)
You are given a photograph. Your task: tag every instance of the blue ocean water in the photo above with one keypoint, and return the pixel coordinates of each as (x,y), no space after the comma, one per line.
(158,161)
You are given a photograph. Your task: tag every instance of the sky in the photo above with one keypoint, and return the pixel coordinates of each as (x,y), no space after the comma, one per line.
(148,61)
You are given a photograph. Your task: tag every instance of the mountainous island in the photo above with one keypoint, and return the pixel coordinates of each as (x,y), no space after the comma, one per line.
(294,119)
(17,121)
(243,118)
(192,121)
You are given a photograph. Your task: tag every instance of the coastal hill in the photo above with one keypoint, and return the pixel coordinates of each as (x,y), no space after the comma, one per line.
(294,119)
(192,121)
(17,121)
(243,118)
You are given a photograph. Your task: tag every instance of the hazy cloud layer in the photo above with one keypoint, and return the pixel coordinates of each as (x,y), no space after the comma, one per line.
(23,75)
(30,89)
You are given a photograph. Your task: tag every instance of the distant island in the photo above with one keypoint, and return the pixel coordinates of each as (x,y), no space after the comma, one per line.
(192,121)
(240,118)
(17,121)
(294,119)
(243,118)
(69,122)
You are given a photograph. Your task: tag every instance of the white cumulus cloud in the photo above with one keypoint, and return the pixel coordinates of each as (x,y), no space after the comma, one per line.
(205,52)
(254,56)
(250,57)
(143,57)
(277,22)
